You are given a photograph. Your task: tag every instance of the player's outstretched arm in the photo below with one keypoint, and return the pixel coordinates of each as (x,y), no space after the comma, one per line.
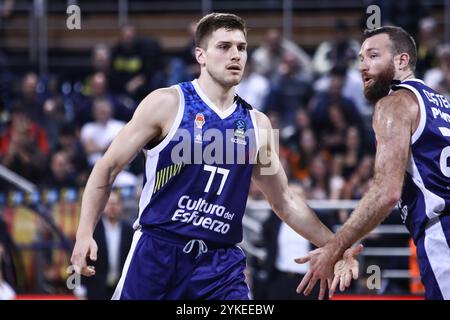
(394,120)
(151,120)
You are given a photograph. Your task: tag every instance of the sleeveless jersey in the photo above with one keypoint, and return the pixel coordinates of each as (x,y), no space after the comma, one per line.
(426,190)
(197,178)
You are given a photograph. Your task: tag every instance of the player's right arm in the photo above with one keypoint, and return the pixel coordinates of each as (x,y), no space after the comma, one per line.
(151,121)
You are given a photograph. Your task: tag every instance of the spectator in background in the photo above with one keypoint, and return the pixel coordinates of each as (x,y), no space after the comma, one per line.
(289,90)
(69,143)
(185,67)
(101,59)
(98,89)
(61,172)
(427,44)
(29,97)
(333,134)
(301,155)
(253,88)
(317,186)
(135,64)
(55,110)
(334,96)
(435,77)
(6,92)
(268,57)
(358,183)
(96,136)
(353,151)
(342,50)
(24,146)
(113,236)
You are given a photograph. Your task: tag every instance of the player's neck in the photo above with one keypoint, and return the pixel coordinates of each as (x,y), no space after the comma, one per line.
(221,96)
(405,76)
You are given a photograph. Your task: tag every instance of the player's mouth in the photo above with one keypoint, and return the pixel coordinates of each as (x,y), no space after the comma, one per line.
(367,81)
(234,67)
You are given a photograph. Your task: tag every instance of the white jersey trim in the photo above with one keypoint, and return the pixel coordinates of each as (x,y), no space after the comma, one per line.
(222,114)
(151,163)
(433,203)
(438,254)
(423,114)
(255,126)
(158,148)
(118,291)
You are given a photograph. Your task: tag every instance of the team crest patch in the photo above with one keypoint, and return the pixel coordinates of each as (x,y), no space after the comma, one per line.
(199,120)
(239,132)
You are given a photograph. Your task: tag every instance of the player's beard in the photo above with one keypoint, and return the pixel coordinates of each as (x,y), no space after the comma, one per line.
(381,84)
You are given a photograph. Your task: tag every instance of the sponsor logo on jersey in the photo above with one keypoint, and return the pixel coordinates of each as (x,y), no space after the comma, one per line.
(203,214)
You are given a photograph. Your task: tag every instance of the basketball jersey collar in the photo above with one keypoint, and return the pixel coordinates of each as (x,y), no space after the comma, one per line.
(222,114)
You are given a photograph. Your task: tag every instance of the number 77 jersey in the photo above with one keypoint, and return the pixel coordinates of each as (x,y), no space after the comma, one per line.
(197,178)
(426,191)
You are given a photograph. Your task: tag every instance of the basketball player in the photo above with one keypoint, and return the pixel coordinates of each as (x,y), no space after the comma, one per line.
(412,127)
(190,212)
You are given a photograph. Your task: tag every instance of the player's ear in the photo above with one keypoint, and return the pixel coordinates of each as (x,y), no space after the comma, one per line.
(200,56)
(403,61)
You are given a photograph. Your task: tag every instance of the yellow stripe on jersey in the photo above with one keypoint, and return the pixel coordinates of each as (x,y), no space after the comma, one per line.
(164,175)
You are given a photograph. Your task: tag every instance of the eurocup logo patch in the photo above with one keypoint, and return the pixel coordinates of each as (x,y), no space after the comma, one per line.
(239,132)
(199,120)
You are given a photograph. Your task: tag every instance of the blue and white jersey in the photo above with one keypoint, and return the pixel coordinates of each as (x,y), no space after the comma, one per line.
(197,178)
(426,191)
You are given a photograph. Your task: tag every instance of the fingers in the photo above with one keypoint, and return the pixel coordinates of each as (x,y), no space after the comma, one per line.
(304,281)
(342,282)
(359,248)
(310,287)
(76,268)
(78,262)
(355,271)
(93,251)
(323,288)
(303,259)
(348,279)
(88,271)
(333,285)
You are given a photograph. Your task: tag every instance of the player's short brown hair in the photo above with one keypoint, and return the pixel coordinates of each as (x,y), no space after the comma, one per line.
(213,21)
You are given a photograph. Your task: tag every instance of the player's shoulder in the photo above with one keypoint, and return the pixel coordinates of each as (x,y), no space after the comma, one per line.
(262,120)
(163,100)
(158,107)
(168,95)
(402,102)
